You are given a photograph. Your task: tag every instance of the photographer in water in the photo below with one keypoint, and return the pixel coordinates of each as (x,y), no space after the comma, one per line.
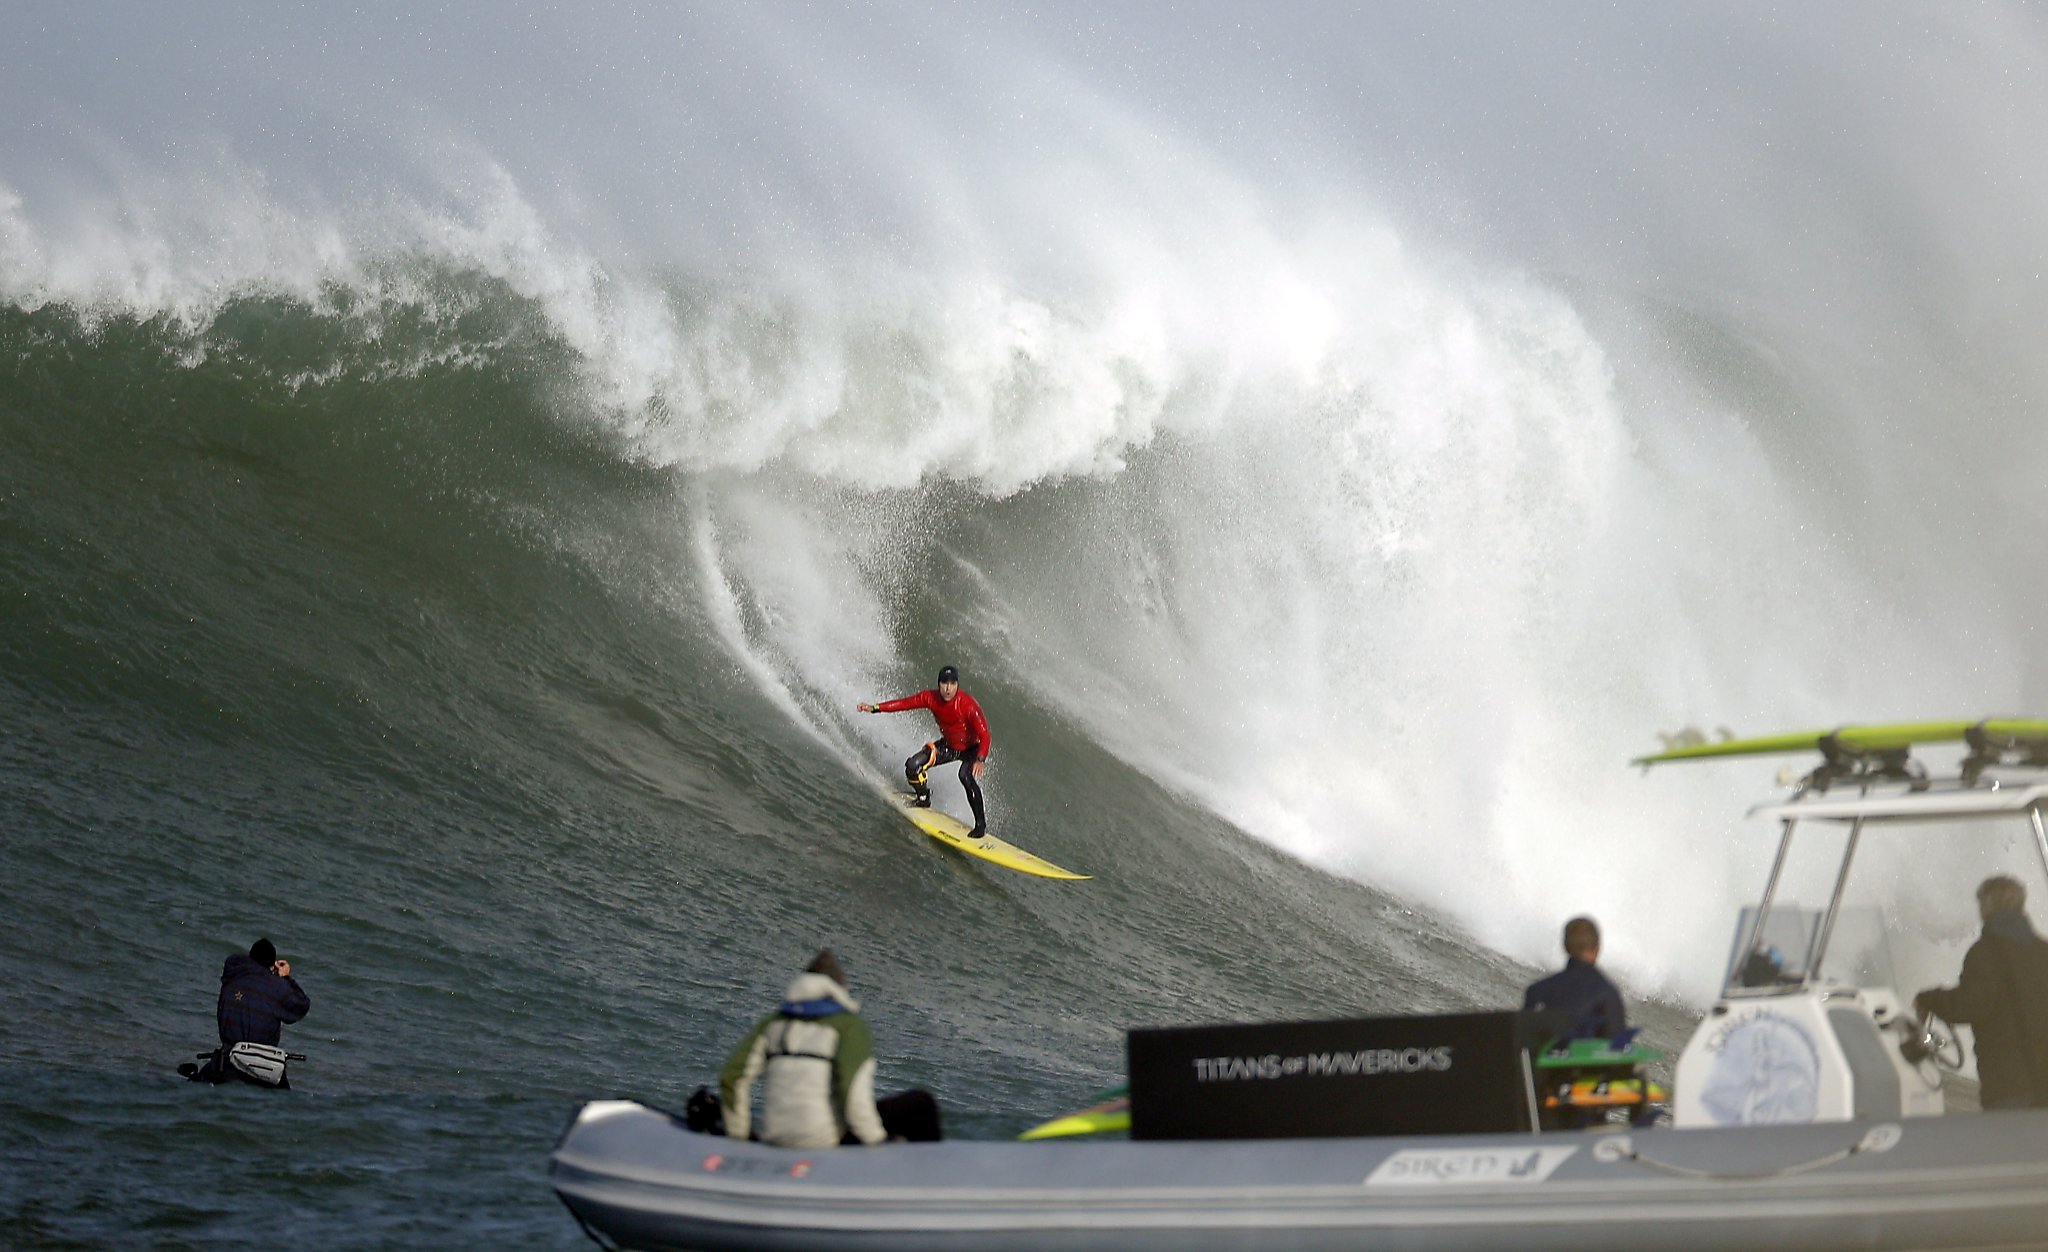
(2003,996)
(258,998)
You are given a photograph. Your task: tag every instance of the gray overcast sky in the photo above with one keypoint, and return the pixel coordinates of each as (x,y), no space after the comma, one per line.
(1647,135)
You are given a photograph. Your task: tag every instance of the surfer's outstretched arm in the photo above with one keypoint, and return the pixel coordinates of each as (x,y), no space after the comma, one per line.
(922,700)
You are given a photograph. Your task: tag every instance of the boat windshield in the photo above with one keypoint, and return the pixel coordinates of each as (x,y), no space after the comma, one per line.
(1858,953)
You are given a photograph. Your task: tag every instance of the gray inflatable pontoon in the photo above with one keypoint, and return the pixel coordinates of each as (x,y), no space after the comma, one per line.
(636,1178)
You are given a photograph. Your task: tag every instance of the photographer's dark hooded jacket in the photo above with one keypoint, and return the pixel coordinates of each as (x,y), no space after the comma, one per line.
(255,1003)
(2003,995)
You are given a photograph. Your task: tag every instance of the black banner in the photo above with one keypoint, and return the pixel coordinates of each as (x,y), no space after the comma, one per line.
(1460,1073)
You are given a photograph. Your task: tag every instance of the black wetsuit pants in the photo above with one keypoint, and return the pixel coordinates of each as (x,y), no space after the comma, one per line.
(933,755)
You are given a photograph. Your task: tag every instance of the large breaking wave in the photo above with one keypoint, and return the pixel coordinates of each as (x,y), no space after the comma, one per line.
(1388,551)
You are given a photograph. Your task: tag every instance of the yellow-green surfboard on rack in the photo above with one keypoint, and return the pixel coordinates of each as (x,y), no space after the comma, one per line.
(954,833)
(2001,732)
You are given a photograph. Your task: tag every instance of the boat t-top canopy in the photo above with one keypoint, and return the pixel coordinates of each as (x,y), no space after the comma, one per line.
(1867,776)
(1902,805)
(1892,795)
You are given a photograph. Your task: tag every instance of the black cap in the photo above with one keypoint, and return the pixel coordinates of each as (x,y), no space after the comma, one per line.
(263,952)
(947,674)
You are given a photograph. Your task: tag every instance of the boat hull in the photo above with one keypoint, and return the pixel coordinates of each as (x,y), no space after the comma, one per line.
(636,1177)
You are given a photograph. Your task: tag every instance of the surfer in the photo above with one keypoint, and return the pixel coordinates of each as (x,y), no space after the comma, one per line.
(963,737)
(1580,991)
(258,998)
(2003,996)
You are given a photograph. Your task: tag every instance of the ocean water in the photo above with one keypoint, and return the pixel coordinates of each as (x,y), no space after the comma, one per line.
(448,532)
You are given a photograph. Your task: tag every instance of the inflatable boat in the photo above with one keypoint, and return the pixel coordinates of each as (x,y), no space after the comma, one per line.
(1808,1110)
(636,1178)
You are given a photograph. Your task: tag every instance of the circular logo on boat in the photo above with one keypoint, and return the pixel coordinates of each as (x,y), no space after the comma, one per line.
(712,1163)
(802,1169)
(1767,1072)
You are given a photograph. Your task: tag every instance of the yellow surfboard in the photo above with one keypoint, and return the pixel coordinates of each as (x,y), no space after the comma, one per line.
(953,832)
(1093,1122)
(1112,1114)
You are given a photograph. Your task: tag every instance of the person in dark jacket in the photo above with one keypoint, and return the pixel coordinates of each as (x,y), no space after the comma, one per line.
(2003,996)
(258,998)
(1579,992)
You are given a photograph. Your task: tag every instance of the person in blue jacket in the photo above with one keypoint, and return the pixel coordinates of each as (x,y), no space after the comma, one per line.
(258,998)
(1579,993)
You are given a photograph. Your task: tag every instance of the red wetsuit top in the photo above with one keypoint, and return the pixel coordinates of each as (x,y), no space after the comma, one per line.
(960,719)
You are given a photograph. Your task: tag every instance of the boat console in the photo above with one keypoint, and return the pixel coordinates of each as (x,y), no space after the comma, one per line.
(1801,1036)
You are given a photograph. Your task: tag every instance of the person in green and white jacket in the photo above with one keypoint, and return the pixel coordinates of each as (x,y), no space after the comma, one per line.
(817,1065)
